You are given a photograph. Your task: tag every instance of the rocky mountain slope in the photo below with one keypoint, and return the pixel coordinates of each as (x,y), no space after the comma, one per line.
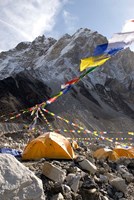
(103,100)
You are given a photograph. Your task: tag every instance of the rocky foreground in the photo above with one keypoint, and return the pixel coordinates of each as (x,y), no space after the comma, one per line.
(82,178)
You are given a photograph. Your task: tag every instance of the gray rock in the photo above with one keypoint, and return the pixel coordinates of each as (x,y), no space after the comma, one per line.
(128,176)
(110,176)
(91,194)
(119,184)
(79,159)
(102,170)
(58,197)
(119,194)
(70,177)
(73,181)
(75,184)
(88,166)
(104,198)
(122,169)
(66,191)
(17,181)
(103,178)
(54,173)
(122,199)
(66,188)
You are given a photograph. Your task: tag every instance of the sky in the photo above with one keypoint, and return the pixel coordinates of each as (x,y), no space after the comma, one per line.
(24,20)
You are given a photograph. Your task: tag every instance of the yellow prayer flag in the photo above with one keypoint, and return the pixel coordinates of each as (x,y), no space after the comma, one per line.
(131,133)
(92,62)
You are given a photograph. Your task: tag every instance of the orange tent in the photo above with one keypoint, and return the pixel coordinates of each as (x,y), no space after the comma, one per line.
(114,154)
(75,144)
(105,153)
(122,152)
(131,150)
(49,145)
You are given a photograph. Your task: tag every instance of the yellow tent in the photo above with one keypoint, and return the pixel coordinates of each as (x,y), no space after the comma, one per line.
(49,145)
(105,153)
(131,150)
(75,144)
(122,152)
(114,154)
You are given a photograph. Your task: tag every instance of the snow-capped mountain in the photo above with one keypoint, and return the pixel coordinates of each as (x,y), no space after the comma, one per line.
(34,71)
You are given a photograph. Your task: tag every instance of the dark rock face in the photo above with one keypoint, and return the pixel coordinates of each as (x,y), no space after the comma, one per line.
(114,100)
(21,91)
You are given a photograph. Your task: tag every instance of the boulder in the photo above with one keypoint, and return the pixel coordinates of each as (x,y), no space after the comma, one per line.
(17,181)
(88,166)
(73,181)
(119,184)
(54,173)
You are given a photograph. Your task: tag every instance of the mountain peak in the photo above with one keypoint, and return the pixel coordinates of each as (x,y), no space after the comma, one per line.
(106,93)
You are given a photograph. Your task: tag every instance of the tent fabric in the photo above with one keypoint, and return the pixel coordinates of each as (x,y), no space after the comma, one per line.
(104,153)
(49,145)
(124,152)
(14,152)
(131,150)
(75,144)
(114,154)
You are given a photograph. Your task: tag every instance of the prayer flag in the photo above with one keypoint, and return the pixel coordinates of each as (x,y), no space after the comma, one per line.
(93,61)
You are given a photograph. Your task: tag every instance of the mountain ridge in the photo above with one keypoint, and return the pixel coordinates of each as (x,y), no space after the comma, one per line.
(103,100)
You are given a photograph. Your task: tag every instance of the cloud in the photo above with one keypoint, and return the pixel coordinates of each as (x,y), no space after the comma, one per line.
(128,26)
(70,21)
(27,19)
